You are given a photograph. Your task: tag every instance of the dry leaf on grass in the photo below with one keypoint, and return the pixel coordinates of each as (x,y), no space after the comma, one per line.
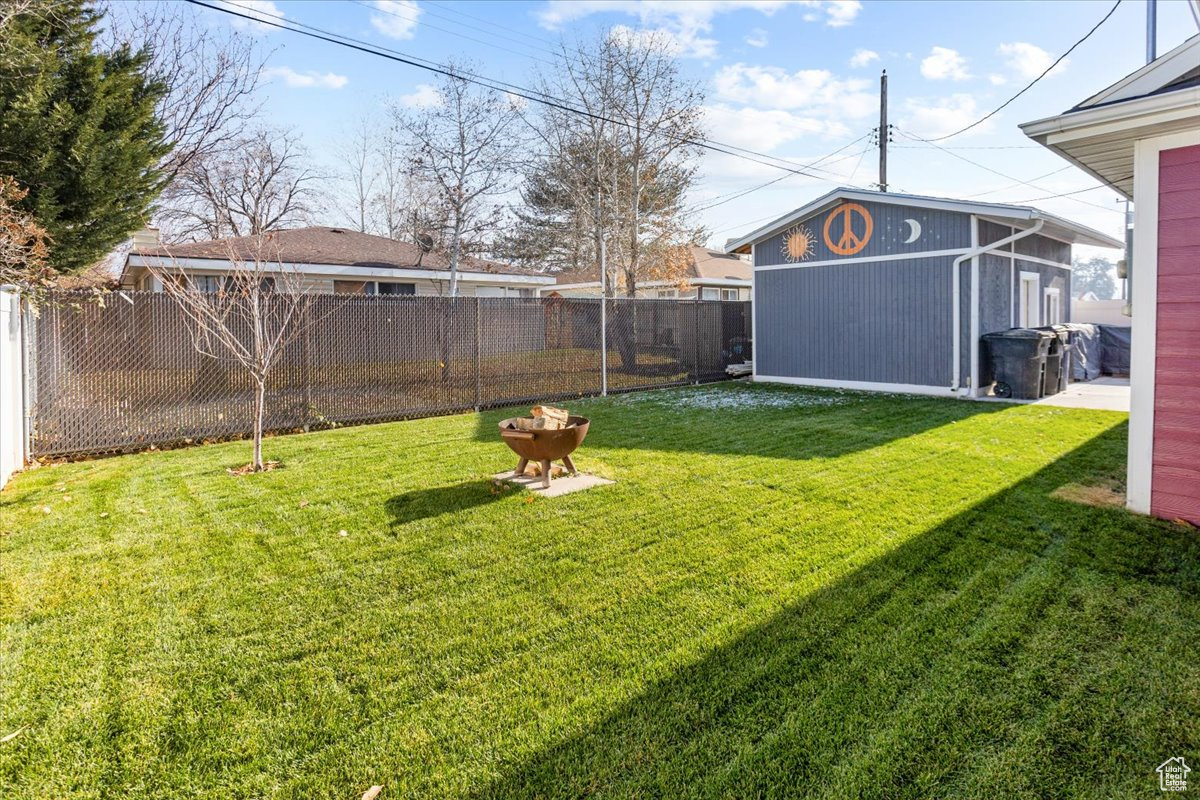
(372,793)
(12,735)
(303,504)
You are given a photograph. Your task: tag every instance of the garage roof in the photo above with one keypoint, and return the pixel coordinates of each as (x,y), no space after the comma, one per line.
(1055,226)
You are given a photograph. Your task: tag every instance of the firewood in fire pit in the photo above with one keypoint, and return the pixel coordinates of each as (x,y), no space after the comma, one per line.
(552,418)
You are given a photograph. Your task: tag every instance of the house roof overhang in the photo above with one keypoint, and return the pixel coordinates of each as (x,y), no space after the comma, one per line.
(338,271)
(1055,227)
(1098,135)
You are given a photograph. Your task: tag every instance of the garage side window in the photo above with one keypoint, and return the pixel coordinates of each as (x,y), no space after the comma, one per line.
(1053,306)
(1029,311)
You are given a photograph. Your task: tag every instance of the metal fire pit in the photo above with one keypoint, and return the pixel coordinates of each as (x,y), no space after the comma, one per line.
(544,446)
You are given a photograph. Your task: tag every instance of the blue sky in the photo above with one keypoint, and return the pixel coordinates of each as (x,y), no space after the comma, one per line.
(793,79)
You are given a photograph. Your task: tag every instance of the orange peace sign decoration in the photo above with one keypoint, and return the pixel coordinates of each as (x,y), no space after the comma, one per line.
(849,241)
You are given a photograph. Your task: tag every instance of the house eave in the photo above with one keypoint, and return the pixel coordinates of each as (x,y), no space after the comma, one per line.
(336,271)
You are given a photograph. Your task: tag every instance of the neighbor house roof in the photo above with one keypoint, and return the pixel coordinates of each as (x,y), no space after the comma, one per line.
(1098,134)
(1055,226)
(326,246)
(706,265)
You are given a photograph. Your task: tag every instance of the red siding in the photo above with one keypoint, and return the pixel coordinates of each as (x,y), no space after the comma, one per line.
(1175,482)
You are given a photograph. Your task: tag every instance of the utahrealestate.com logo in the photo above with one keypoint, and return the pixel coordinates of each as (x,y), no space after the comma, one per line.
(1172,775)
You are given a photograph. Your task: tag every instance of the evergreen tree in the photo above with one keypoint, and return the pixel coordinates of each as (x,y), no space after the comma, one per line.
(78,128)
(1094,275)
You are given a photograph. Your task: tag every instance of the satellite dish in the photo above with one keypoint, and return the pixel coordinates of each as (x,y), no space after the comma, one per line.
(425,242)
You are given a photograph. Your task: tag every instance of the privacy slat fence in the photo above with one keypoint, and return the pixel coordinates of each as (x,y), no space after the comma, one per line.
(124,375)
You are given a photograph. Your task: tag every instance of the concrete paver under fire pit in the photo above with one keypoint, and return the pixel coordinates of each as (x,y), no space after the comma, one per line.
(558,486)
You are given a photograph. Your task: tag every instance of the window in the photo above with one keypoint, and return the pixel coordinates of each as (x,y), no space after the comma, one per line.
(729,294)
(710,294)
(667,294)
(396,288)
(1053,298)
(1029,311)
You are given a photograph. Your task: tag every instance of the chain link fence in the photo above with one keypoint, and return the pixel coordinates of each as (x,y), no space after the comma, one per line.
(124,375)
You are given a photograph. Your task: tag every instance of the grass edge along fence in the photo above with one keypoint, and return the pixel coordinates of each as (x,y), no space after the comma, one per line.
(124,375)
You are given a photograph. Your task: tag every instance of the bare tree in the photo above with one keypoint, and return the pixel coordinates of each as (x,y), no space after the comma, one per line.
(211,74)
(463,148)
(360,173)
(263,184)
(260,308)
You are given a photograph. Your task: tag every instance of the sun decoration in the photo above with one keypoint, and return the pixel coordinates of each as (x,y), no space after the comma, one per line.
(797,244)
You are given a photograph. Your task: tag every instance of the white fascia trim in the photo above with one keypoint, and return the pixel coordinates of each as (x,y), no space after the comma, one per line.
(1153,76)
(867,260)
(1144,348)
(739,283)
(973,378)
(221,265)
(1114,118)
(866,386)
(914,201)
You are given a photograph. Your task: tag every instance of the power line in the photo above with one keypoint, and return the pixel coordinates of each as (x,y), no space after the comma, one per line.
(1029,85)
(277,21)
(1020,183)
(397,13)
(1077,191)
(721,199)
(1003,174)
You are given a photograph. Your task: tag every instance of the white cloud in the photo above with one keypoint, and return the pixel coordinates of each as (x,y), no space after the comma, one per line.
(1028,60)
(425,96)
(943,63)
(396,18)
(997,79)
(265,10)
(690,21)
(306,80)
(812,90)
(765,129)
(757,38)
(933,117)
(862,58)
(685,43)
(842,12)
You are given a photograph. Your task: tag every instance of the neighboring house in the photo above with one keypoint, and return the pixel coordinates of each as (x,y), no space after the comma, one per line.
(891,292)
(711,275)
(1142,137)
(334,260)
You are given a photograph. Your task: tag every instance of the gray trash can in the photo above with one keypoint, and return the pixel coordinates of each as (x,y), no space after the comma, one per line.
(1018,361)
(1057,360)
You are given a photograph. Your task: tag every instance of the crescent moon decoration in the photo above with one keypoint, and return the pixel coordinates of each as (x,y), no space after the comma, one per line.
(797,244)
(914,231)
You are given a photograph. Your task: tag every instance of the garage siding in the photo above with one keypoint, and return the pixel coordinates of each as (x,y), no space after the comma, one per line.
(881,322)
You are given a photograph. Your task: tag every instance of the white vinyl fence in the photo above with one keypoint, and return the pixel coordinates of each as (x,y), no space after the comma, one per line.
(12,387)
(1100,312)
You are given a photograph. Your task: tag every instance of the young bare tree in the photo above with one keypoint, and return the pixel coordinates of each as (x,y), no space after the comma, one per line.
(464,149)
(263,184)
(260,308)
(359,176)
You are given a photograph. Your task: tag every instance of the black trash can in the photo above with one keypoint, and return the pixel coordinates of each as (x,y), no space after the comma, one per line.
(1057,361)
(1018,361)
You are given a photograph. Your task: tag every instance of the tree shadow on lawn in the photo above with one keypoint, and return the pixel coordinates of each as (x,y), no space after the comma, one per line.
(1027,647)
(434,502)
(773,421)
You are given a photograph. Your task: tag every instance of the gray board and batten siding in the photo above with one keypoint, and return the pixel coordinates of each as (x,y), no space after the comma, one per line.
(887,321)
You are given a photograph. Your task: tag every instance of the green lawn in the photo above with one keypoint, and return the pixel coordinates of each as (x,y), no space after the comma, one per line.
(787,593)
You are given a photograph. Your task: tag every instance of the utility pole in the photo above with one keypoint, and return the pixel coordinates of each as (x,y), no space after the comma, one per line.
(1151,30)
(883,132)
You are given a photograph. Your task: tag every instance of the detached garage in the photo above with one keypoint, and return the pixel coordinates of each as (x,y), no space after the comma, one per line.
(891,292)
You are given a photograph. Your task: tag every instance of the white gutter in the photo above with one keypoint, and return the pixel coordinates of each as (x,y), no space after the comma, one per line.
(222,266)
(974,253)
